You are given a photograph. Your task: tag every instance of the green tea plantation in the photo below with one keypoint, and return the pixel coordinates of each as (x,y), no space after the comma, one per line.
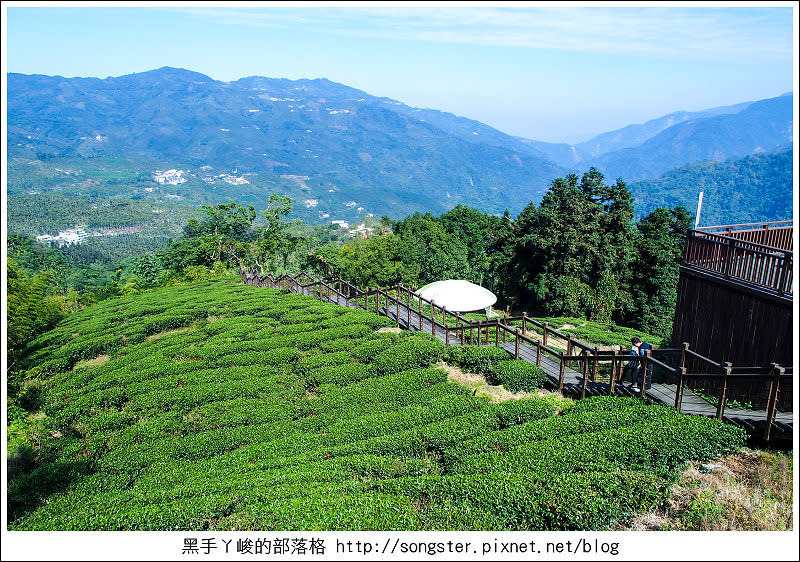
(228,407)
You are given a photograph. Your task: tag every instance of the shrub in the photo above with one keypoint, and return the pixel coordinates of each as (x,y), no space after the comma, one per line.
(477,359)
(368,350)
(409,353)
(516,375)
(324,360)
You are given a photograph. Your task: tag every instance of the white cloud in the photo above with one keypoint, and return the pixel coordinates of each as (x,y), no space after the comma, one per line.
(723,34)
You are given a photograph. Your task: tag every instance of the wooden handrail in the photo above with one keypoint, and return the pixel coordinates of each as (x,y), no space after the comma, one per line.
(768,267)
(747,244)
(588,355)
(696,355)
(748,224)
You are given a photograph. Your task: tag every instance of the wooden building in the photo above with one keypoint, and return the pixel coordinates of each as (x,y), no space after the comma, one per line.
(735,295)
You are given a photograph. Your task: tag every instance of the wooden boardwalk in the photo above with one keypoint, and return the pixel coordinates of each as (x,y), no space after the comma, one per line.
(662,393)
(573,382)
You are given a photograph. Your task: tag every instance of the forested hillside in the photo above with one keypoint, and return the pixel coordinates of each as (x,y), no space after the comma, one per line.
(762,126)
(579,254)
(751,189)
(339,144)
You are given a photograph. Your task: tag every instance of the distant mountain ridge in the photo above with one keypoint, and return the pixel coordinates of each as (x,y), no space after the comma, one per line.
(750,189)
(346,150)
(650,149)
(344,143)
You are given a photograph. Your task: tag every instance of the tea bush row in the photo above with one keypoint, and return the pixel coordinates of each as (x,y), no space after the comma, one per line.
(476,359)
(276,411)
(516,375)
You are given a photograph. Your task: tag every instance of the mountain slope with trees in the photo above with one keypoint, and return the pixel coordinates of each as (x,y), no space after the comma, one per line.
(762,126)
(751,189)
(340,142)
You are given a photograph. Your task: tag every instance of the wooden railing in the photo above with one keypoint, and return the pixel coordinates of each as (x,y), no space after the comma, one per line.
(681,365)
(775,234)
(741,255)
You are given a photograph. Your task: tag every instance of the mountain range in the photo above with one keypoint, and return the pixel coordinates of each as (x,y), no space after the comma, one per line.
(345,152)
(754,188)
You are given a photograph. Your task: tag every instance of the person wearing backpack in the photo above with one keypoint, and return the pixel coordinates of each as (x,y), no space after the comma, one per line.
(631,369)
(642,378)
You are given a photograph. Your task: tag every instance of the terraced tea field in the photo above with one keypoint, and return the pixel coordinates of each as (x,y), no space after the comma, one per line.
(223,406)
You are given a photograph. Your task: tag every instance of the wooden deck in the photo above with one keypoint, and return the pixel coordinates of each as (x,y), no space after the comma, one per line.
(661,393)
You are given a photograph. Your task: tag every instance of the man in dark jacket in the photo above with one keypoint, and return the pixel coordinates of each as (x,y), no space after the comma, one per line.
(642,378)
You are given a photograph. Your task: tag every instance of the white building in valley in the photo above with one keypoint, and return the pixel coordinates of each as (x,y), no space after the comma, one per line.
(169,177)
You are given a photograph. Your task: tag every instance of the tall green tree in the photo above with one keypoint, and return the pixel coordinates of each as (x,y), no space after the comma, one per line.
(428,251)
(661,241)
(147,269)
(376,261)
(221,235)
(273,240)
(475,230)
(31,308)
(570,254)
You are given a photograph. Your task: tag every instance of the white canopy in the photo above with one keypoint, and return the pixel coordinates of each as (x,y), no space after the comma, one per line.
(457,295)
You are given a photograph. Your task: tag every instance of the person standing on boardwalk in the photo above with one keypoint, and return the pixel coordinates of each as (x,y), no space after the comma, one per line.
(631,367)
(642,377)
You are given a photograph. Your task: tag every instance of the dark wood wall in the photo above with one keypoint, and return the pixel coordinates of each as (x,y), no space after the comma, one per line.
(728,321)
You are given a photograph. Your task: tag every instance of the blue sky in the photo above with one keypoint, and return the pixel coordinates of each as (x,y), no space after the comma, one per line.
(548,73)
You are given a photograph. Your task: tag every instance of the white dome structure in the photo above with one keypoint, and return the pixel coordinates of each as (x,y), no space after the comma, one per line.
(457,295)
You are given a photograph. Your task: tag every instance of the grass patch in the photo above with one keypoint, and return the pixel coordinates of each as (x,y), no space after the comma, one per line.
(750,490)
(496,393)
(96,362)
(169,332)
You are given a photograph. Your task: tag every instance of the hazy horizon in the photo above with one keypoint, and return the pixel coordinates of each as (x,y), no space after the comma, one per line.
(557,74)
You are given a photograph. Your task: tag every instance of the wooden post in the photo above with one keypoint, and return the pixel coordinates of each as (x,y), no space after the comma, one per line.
(408,308)
(538,354)
(728,258)
(496,332)
(516,343)
(594,367)
(544,335)
(683,353)
(772,401)
(723,395)
(585,372)
(419,313)
(679,391)
(505,323)
(785,267)
(480,332)
(613,379)
(471,334)
(643,389)
(397,302)
(560,371)
(524,323)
